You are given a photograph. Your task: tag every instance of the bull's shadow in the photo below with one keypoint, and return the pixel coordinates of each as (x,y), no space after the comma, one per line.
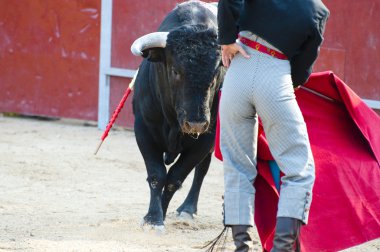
(175,104)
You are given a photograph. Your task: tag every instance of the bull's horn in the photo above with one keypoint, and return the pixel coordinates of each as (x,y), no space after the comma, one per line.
(155,39)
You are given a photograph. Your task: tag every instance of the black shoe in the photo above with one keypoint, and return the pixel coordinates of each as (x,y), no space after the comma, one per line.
(242,239)
(286,238)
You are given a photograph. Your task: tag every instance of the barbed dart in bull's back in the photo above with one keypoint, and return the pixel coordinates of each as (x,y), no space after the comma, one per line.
(116,112)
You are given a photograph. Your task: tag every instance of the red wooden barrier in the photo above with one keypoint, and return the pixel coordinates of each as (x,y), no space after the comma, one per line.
(49,57)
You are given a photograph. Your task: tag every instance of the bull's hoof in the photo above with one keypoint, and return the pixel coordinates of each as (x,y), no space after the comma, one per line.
(185,216)
(187,209)
(147,227)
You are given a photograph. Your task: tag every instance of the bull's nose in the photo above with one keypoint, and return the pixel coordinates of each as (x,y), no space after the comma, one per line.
(195,127)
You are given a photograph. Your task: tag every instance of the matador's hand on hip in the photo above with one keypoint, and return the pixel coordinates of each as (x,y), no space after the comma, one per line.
(229,51)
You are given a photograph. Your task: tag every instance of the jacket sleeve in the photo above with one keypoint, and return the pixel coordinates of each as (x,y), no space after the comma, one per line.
(228,15)
(302,63)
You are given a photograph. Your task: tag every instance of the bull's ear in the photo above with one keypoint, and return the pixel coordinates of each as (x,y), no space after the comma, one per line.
(154,54)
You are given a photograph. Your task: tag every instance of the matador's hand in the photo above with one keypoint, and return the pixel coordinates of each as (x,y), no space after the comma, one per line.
(229,51)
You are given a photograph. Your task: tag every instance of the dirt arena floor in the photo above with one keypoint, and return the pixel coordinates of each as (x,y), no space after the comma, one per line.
(55,195)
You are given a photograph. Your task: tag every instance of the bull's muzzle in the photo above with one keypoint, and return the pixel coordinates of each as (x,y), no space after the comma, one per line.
(195,127)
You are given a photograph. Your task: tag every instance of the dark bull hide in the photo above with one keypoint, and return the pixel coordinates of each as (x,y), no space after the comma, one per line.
(175,104)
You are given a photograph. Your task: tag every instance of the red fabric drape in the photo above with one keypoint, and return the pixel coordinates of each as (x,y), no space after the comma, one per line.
(345,140)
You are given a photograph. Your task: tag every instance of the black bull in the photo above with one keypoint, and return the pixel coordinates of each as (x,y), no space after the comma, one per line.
(175,104)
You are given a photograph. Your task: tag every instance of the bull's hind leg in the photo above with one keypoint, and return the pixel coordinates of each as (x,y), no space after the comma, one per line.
(190,206)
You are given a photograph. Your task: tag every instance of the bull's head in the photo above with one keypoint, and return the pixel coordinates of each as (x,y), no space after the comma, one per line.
(190,58)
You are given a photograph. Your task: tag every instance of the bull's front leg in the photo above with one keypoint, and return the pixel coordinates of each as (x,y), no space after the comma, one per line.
(190,206)
(156,170)
(156,180)
(198,155)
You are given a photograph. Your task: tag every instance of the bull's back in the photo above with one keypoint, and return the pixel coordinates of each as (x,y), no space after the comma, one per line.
(190,13)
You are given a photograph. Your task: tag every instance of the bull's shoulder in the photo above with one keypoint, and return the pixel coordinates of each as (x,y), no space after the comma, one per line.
(145,99)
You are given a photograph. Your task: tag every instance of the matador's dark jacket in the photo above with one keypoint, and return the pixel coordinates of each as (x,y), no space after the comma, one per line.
(293,26)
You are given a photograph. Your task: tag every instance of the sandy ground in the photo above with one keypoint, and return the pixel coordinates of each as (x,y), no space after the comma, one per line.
(55,195)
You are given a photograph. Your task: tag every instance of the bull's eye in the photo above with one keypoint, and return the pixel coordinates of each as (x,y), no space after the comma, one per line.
(174,71)
(175,74)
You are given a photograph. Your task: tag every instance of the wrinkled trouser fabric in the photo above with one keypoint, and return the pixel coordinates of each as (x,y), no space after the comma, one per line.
(262,86)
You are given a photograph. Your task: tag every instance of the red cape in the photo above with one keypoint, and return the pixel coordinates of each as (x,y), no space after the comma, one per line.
(345,140)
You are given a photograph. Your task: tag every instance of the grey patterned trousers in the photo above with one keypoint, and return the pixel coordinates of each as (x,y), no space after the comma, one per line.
(262,86)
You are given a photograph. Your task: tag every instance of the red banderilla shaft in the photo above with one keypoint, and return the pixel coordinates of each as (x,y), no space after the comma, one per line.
(116,112)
